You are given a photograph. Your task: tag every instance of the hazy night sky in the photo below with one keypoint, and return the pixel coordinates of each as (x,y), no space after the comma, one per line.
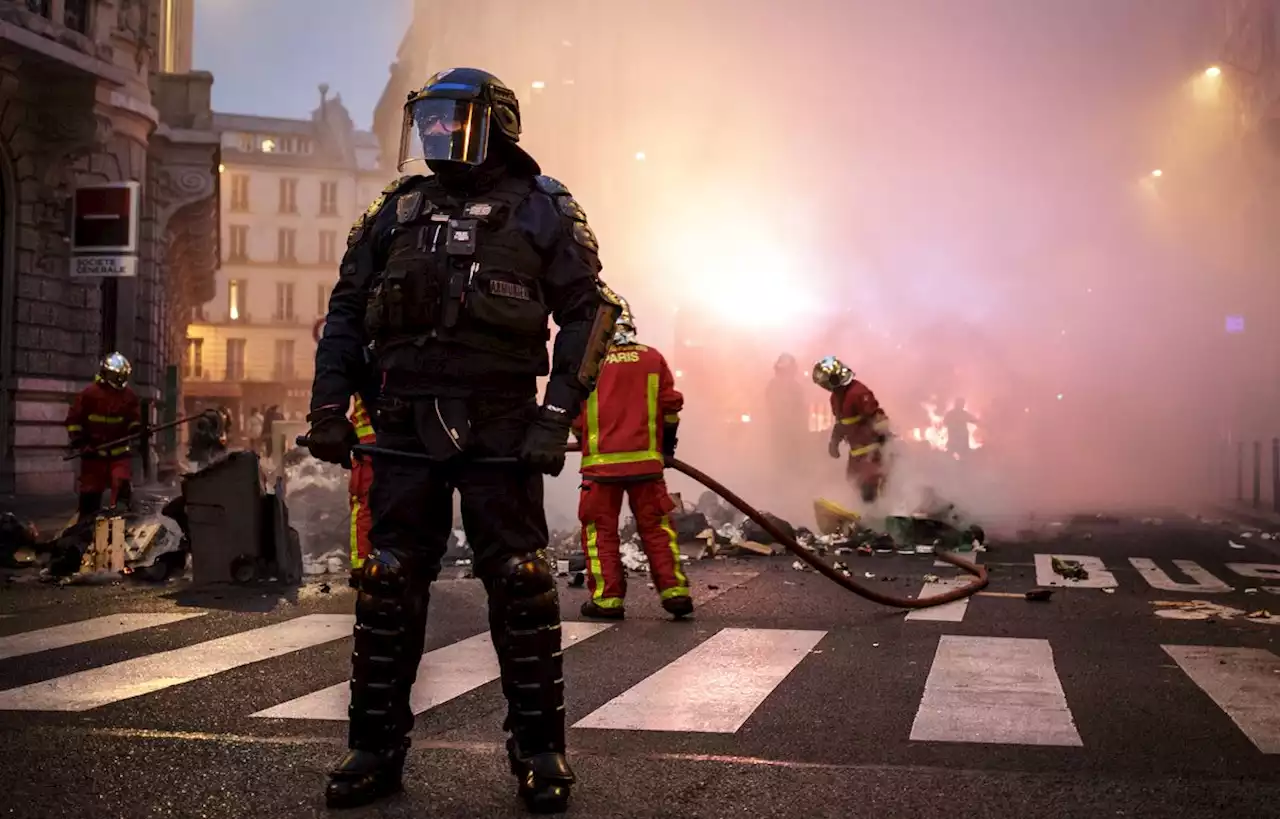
(268,58)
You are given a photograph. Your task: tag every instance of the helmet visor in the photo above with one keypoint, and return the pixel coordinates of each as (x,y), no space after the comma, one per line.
(444,130)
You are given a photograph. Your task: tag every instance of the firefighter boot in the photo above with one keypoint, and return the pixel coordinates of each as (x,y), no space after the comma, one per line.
(533,667)
(590,609)
(679,607)
(391,613)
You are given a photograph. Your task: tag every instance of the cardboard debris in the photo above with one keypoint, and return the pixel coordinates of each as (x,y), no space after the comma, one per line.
(756,548)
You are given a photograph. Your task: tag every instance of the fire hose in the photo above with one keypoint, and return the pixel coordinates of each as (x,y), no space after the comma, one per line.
(809,556)
(130,437)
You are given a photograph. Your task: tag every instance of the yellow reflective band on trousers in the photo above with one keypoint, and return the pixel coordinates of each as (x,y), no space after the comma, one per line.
(681,589)
(106,419)
(592,455)
(851,421)
(74,428)
(863,450)
(356,561)
(597,572)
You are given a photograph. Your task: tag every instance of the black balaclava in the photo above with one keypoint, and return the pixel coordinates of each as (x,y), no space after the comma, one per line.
(503,158)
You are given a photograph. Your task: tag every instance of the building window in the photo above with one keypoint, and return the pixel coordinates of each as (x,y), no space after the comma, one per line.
(236,299)
(75,15)
(193,361)
(322,301)
(284,301)
(240,192)
(235,359)
(328,245)
(286,241)
(288,196)
(284,359)
(239,249)
(40,7)
(268,146)
(328,198)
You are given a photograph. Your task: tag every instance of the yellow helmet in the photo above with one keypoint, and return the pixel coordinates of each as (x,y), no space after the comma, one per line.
(830,373)
(115,371)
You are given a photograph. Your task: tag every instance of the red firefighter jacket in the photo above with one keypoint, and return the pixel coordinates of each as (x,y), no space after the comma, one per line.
(620,424)
(101,413)
(860,421)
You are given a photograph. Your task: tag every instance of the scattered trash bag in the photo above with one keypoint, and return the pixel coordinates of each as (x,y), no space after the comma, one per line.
(17,542)
(688,525)
(914,531)
(755,532)
(714,509)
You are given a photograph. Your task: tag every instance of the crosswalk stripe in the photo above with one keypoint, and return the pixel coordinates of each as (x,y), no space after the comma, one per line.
(1244,682)
(1204,582)
(952,612)
(84,631)
(999,690)
(95,687)
(443,674)
(712,689)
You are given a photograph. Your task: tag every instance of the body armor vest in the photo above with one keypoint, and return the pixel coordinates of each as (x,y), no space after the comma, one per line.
(462,272)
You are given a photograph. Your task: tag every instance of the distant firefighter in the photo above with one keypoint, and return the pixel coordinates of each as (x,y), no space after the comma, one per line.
(956,422)
(104,412)
(787,420)
(860,423)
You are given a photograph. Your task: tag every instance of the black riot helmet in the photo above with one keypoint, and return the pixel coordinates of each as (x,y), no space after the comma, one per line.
(451,117)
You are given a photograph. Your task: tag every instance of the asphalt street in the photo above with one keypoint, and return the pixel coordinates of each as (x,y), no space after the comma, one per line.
(1124,694)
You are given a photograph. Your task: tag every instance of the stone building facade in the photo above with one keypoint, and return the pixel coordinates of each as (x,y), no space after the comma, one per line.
(96,91)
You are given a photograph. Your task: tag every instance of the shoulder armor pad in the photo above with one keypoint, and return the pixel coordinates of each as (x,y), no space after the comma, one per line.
(607,292)
(357,229)
(551,186)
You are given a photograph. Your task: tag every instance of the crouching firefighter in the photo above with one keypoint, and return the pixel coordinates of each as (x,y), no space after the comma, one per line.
(447,282)
(104,412)
(859,422)
(628,427)
(358,486)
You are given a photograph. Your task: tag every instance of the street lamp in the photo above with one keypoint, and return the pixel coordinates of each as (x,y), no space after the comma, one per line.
(1157,173)
(539,84)
(640,156)
(1213,71)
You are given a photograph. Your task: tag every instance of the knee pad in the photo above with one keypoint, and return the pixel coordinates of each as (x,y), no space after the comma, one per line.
(387,585)
(527,587)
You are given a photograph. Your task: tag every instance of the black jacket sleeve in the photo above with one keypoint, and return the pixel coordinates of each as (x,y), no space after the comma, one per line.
(583,307)
(341,365)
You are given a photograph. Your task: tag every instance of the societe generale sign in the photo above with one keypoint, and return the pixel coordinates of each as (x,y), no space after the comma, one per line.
(104,230)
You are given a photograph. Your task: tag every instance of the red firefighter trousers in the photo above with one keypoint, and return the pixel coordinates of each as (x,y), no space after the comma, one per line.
(97,475)
(599,506)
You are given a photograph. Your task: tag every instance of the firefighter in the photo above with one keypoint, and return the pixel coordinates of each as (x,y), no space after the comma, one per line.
(630,424)
(859,422)
(104,412)
(358,487)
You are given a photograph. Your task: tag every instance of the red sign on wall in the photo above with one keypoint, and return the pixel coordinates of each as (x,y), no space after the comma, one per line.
(104,230)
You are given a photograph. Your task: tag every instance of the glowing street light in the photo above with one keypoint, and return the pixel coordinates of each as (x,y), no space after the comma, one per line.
(1213,71)
(639,156)
(539,85)
(1157,173)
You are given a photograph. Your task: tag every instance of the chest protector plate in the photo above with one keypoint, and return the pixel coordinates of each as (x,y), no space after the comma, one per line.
(461,272)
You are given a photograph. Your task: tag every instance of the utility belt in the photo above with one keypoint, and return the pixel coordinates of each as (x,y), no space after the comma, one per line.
(445,372)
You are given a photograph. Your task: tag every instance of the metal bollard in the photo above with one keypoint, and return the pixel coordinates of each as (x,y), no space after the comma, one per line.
(1275,474)
(1257,474)
(1240,472)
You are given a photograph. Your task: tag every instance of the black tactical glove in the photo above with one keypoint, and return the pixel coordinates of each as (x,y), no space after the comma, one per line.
(545,441)
(331,436)
(833,448)
(669,439)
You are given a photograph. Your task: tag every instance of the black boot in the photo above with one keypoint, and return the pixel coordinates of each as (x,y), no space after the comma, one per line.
(678,607)
(391,612)
(590,609)
(532,667)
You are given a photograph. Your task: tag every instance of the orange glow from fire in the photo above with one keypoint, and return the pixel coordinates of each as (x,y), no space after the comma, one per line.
(936,433)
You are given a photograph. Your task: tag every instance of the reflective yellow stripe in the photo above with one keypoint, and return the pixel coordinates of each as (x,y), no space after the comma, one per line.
(597,571)
(681,589)
(106,419)
(863,450)
(855,419)
(611,458)
(356,561)
(364,431)
(673,418)
(74,428)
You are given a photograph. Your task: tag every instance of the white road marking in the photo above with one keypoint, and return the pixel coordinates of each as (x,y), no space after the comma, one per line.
(1205,583)
(712,689)
(1244,682)
(952,612)
(1099,576)
(1259,571)
(999,690)
(95,687)
(84,631)
(443,674)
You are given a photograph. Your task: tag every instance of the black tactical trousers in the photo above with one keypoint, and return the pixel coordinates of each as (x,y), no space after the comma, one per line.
(411,502)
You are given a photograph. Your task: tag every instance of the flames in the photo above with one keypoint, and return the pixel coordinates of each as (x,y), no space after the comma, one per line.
(936,434)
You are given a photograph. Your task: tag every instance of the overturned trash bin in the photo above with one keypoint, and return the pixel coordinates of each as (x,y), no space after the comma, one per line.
(238,532)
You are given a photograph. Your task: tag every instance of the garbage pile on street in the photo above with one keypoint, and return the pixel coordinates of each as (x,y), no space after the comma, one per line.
(320,509)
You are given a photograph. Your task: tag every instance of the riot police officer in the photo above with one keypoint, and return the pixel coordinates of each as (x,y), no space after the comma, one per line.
(444,295)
